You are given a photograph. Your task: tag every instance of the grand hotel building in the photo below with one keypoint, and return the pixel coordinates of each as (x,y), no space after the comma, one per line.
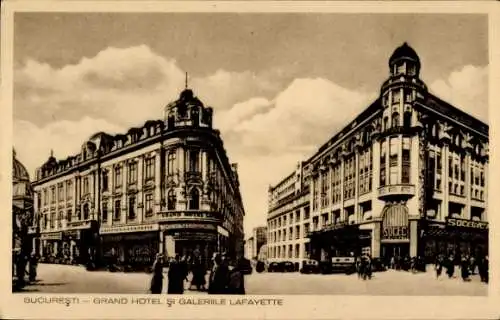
(406,177)
(165,187)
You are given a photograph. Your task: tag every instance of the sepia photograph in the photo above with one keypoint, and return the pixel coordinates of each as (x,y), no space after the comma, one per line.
(259,153)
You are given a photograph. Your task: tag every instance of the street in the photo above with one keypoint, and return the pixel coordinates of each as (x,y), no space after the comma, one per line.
(54,278)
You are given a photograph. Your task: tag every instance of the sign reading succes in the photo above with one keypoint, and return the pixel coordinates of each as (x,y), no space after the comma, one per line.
(395,232)
(452,222)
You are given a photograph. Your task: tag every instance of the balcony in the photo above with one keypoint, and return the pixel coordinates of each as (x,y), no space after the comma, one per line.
(396,190)
(192,175)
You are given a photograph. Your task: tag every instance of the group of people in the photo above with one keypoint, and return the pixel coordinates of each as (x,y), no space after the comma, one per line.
(364,267)
(406,263)
(224,277)
(468,266)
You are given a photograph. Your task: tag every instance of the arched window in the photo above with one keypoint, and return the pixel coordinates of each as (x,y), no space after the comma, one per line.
(385,124)
(195,116)
(85,211)
(407,119)
(194,199)
(171,200)
(395,120)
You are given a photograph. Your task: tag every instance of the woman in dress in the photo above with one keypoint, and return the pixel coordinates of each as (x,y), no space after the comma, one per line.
(157,279)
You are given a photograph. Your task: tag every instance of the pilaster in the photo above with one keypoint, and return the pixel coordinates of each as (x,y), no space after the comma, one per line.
(446,179)
(467,184)
(357,211)
(140,193)
(343,216)
(157,179)
(124,198)
(376,240)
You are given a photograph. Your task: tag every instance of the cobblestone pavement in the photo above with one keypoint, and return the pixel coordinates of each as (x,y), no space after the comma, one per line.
(75,279)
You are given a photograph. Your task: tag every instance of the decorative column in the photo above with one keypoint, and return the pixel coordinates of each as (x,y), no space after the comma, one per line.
(413,237)
(157,178)
(124,198)
(357,211)
(140,188)
(376,240)
(181,195)
(446,178)
(467,184)
(342,165)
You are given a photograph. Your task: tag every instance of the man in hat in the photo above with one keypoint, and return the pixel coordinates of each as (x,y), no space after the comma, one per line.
(218,276)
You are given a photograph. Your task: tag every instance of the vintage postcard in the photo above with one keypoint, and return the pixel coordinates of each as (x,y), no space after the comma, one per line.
(249,160)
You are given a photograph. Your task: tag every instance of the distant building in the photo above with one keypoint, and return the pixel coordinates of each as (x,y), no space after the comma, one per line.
(408,176)
(250,248)
(166,187)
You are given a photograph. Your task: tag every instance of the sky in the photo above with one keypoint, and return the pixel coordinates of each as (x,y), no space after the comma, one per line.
(280,84)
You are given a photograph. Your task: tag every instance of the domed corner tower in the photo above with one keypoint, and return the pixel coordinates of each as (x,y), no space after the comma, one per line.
(188,110)
(403,87)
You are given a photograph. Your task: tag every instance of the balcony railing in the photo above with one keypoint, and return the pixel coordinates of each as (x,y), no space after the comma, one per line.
(407,190)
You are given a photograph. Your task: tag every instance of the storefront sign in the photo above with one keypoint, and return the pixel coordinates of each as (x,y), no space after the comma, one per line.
(452,222)
(51,236)
(171,226)
(336,226)
(72,234)
(222,231)
(134,228)
(395,232)
(195,236)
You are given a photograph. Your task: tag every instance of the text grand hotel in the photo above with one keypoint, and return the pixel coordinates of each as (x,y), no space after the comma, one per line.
(406,177)
(165,187)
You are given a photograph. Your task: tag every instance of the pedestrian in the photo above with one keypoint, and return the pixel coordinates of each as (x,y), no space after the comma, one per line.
(176,277)
(450,267)
(439,266)
(32,267)
(157,278)
(218,276)
(392,263)
(236,283)
(199,272)
(359,266)
(483,269)
(184,268)
(464,268)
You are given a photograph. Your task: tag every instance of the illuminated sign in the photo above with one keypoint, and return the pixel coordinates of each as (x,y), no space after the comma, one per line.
(452,222)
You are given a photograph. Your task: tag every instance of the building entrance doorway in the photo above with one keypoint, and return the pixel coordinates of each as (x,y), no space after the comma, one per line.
(394,254)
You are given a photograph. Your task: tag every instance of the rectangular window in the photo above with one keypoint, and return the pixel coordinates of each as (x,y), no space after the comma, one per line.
(393,175)
(439,165)
(290,233)
(149,204)
(104,212)
(132,172)
(53,195)
(52,220)
(297,232)
(194,161)
(69,190)
(69,215)
(45,197)
(131,208)
(306,213)
(118,177)
(150,168)
(117,212)
(306,229)
(171,162)
(382,176)
(60,191)
(450,167)
(297,250)
(105,183)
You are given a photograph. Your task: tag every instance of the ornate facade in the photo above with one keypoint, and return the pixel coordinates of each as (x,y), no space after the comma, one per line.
(165,187)
(407,177)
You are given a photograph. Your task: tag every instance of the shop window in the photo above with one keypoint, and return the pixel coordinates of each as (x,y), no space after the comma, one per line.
(117,212)
(194,199)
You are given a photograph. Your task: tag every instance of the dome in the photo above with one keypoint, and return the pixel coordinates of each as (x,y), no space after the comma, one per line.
(404,52)
(19,172)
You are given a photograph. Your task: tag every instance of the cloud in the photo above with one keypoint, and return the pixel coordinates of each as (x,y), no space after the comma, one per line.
(65,138)
(301,117)
(126,86)
(467,89)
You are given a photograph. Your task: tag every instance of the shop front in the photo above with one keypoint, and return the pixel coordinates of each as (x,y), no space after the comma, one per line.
(195,240)
(133,247)
(455,237)
(51,244)
(339,240)
(395,235)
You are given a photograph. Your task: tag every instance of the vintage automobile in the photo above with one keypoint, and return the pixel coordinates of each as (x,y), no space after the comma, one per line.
(260,267)
(309,266)
(274,267)
(245,266)
(345,265)
(287,266)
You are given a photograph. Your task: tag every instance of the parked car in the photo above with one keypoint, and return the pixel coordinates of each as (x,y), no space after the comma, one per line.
(245,266)
(274,267)
(260,267)
(287,266)
(310,266)
(338,265)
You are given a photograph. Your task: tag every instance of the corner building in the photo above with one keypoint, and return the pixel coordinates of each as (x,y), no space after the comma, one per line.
(406,177)
(165,187)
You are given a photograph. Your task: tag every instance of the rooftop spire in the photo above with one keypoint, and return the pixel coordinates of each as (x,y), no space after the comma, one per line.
(51,153)
(186,85)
